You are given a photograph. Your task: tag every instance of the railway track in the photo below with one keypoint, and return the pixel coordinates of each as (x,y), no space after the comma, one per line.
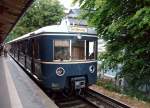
(90,99)
(74,102)
(102,101)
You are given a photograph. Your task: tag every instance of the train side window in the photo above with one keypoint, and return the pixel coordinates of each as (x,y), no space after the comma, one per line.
(61,50)
(22,47)
(36,49)
(29,50)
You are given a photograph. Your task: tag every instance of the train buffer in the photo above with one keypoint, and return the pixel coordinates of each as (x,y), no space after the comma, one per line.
(17,90)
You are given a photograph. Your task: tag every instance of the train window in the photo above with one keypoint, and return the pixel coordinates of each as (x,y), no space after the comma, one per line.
(91,50)
(29,50)
(61,50)
(36,49)
(22,47)
(78,48)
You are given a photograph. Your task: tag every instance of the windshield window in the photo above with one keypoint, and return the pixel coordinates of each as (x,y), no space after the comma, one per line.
(61,50)
(78,48)
(74,50)
(91,50)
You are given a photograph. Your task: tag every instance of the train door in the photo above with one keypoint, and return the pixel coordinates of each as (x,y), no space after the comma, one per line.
(22,53)
(18,51)
(29,55)
(25,53)
(36,65)
(33,55)
(15,50)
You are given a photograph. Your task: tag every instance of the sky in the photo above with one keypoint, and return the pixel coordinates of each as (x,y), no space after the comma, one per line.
(68,4)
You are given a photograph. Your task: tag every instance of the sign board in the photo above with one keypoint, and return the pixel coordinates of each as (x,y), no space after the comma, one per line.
(77,29)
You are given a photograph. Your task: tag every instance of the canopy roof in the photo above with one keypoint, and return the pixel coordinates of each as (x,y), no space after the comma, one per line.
(10,13)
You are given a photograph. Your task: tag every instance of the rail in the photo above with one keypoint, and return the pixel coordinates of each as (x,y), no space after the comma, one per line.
(90,99)
(103,101)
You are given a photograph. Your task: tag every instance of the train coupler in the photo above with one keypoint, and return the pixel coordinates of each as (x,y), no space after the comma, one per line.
(78,82)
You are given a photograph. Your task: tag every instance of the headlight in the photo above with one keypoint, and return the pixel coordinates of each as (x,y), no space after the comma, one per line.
(60,71)
(92,68)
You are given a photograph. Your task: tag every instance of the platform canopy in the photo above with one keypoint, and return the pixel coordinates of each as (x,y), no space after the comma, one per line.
(10,13)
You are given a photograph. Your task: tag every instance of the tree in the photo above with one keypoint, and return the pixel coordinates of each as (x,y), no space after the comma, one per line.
(42,13)
(125,26)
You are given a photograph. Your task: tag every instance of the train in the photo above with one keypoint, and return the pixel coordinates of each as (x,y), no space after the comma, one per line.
(59,57)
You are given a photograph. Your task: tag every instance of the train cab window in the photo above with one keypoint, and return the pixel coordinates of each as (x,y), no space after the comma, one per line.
(61,50)
(78,49)
(91,50)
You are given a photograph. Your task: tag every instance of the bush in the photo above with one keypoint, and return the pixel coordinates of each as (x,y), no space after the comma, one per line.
(134,93)
(107,84)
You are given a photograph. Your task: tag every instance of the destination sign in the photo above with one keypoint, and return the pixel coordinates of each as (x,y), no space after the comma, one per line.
(77,29)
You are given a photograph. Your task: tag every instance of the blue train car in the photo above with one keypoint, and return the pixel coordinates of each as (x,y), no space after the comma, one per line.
(60,58)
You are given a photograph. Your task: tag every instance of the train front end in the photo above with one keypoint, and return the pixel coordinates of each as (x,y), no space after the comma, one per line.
(74,64)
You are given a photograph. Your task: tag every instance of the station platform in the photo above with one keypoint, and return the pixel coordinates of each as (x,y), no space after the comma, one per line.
(17,90)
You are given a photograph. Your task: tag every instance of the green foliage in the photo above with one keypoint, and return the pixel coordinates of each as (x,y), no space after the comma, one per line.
(42,13)
(138,94)
(125,26)
(134,93)
(108,85)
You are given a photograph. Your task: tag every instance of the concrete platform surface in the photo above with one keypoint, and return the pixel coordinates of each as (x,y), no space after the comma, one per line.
(17,90)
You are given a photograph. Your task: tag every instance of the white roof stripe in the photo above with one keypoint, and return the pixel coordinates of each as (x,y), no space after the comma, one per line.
(60,30)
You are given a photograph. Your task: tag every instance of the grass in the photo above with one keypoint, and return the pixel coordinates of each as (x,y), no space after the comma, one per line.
(109,85)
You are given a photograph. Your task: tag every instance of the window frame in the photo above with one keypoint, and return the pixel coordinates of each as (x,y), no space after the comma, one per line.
(70,50)
(84,56)
(54,49)
(94,50)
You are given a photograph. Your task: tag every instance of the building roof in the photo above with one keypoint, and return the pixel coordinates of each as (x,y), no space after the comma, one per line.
(73,18)
(10,13)
(73,13)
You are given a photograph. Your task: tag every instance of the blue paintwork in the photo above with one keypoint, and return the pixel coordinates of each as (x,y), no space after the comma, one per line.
(71,70)
(46,49)
(47,37)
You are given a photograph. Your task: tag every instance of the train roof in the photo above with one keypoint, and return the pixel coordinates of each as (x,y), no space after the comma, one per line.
(66,29)
(60,29)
